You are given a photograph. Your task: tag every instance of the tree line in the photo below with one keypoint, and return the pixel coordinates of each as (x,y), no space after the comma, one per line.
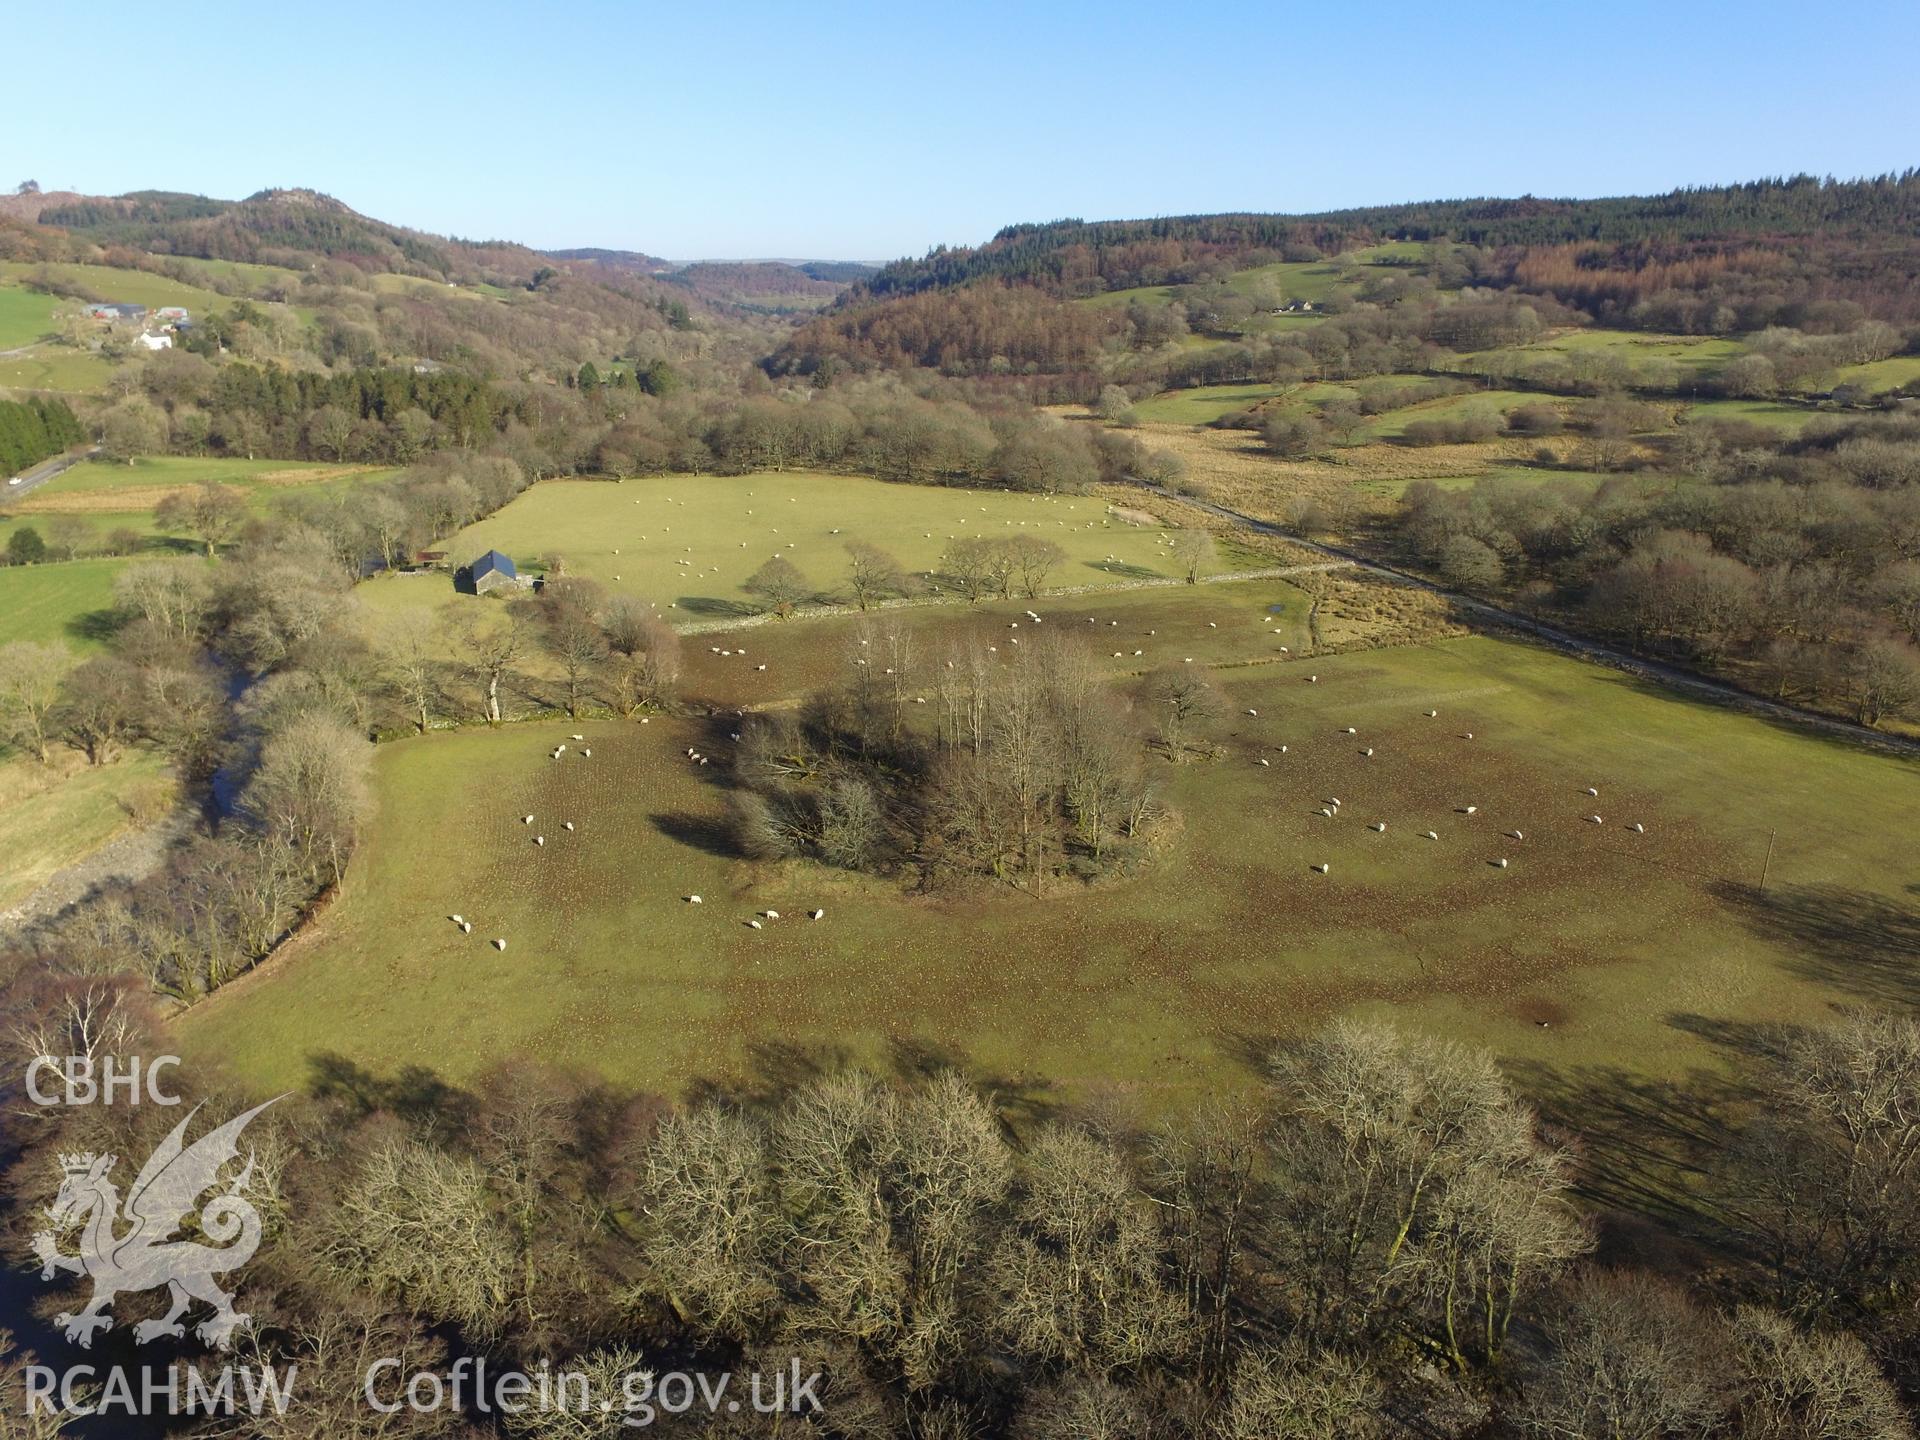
(1376,1236)
(36,430)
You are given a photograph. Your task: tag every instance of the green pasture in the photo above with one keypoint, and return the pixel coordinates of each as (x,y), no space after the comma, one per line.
(689,541)
(68,600)
(54,816)
(1598,952)
(24,316)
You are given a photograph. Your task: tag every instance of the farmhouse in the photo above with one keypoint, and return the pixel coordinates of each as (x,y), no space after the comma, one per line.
(492,571)
(117,312)
(149,341)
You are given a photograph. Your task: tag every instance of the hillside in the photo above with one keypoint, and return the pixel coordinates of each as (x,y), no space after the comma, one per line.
(629,260)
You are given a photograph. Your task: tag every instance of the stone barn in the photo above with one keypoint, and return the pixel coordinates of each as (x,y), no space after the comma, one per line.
(492,571)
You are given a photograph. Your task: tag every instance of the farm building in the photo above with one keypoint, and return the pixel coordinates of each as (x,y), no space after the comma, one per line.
(491,572)
(150,341)
(117,312)
(173,314)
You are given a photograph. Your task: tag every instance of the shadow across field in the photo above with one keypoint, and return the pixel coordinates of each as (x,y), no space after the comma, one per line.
(413,1093)
(1856,941)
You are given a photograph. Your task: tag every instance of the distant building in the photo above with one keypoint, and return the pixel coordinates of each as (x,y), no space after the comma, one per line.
(174,314)
(492,571)
(149,341)
(117,312)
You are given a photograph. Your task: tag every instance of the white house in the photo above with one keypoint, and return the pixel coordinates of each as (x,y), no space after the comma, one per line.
(156,342)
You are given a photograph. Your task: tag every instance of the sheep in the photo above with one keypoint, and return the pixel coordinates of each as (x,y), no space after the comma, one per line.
(1253,712)
(1263,761)
(1469,809)
(1326,812)
(759,667)
(1467,736)
(693,900)
(1637,828)
(500,943)
(1138,653)
(1322,868)
(1432,714)
(1313,679)
(526,819)
(539,839)
(1432,835)
(1515,835)
(1349,730)
(771,914)
(1334,802)
(457,919)
(1595,820)
(586,754)
(816,915)
(561,746)
(466,927)
(753,925)
(579,737)
(1501,863)
(1368,752)
(566,825)
(1283,749)
(1212,626)
(1379,827)
(1593,792)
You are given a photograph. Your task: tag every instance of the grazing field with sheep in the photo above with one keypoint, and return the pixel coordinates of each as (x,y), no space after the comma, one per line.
(689,541)
(1629,946)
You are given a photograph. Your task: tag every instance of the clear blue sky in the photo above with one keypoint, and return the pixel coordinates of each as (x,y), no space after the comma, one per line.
(873,130)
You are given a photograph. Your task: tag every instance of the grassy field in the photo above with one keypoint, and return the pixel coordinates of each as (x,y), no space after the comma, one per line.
(63,601)
(689,541)
(128,287)
(1638,349)
(1204,404)
(1881,375)
(1597,948)
(57,368)
(112,496)
(52,816)
(24,316)
(1788,418)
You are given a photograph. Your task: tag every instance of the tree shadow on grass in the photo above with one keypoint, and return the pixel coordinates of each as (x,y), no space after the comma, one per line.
(413,1093)
(1021,1102)
(1857,941)
(1122,570)
(97,626)
(709,834)
(774,1069)
(713,605)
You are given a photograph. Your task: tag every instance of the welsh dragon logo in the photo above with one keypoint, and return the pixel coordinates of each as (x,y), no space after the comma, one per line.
(150,1253)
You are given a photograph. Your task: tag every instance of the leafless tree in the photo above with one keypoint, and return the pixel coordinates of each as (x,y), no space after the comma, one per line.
(30,676)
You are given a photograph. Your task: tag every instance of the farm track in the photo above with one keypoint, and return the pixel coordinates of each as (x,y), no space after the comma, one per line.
(1567,642)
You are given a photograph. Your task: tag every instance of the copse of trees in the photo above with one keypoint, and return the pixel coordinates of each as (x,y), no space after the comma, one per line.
(1031,772)
(35,430)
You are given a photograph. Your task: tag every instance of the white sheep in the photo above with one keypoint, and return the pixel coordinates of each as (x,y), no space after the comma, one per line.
(539,839)
(1323,869)
(759,667)
(1313,679)
(1469,809)
(1593,792)
(586,754)
(566,825)
(466,927)
(457,919)
(1368,752)
(771,914)
(816,915)
(1432,713)
(579,737)
(1467,736)
(1515,834)
(1501,863)
(1326,812)
(1253,712)
(1637,828)
(1349,730)
(500,943)
(1379,827)
(693,900)
(1263,761)
(1595,820)
(753,925)
(1432,835)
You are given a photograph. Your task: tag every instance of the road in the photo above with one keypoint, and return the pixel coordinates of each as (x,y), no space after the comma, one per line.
(1568,643)
(47,470)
